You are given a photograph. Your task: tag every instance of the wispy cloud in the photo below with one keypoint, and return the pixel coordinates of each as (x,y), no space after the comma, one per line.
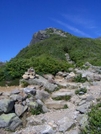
(76,30)
(81,20)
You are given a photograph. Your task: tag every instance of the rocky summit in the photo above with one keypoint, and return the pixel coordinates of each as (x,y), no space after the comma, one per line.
(51,104)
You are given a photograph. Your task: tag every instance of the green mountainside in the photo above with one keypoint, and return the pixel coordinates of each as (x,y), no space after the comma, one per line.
(46,54)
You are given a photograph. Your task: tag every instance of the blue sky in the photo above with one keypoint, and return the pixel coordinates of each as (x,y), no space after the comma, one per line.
(20,19)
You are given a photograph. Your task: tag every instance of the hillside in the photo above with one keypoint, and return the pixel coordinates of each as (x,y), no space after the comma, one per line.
(46,53)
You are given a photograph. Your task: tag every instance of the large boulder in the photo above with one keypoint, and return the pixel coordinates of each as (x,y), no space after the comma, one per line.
(43,82)
(10,121)
(6,105)
(42,95)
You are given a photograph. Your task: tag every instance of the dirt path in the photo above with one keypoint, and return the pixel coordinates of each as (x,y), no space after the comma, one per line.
(8,89)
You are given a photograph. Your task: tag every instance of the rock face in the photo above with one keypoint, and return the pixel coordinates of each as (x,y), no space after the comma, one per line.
(44,34)
(39,36)
(56,110)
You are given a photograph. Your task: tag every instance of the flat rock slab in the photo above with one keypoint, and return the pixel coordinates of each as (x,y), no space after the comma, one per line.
(65,124)
(52,104)
(61,93)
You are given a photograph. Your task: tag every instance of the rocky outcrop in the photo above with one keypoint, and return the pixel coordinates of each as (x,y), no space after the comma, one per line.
(44,34)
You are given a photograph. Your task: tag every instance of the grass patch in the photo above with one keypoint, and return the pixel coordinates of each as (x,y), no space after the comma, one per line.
(66,98)
(81,91)
(79,78)
(36,111)
(24,83)
(65,106)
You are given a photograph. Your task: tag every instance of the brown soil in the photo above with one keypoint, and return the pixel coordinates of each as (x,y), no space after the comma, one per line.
(8,89)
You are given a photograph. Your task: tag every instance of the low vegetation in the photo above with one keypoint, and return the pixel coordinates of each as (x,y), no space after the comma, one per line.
(66,98)
(36,111)
(94,126)
(79,78)
(81,91)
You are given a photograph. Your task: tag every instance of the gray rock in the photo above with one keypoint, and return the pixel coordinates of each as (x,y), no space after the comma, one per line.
(10,121)
(44,108)
(47,130)
(32,121)
(82,102)
(16,97)
(83,108)
(84,121)
(39,36)
(90,98)
(40,129)
(30,90)
(43,82)
(52,104)
(65,124)
(33,104)
(6,105)
(16,91)
(61,93)
(20,109)
(15,123)
(42,95)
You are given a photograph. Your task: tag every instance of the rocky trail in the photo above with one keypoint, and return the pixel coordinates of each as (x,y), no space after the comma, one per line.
(62,103)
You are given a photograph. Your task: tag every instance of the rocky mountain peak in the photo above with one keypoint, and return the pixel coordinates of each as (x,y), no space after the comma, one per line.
(44,34)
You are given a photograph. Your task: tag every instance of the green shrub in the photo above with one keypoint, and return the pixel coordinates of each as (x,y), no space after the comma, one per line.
(66,98)
(24,83)
(94,118)
(81,91)
(79,78)
(37,111)
(65,106)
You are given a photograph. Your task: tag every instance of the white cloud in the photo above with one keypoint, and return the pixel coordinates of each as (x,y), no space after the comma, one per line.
(81,20)
(76,30)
